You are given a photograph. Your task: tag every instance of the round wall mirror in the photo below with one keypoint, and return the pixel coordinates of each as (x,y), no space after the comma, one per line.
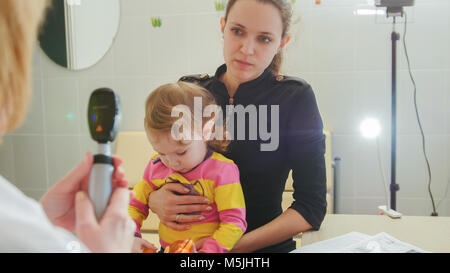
(77,33)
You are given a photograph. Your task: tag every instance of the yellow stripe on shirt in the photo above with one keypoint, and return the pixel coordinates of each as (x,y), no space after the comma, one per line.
(205,187)
(227,235)
(136,214)
(142,190)
(195,233)
(229,196)
(220,157)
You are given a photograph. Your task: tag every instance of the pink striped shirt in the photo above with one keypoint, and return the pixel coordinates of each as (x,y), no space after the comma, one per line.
(216,178)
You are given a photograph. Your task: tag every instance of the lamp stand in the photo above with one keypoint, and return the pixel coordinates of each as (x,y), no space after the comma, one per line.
(394,187)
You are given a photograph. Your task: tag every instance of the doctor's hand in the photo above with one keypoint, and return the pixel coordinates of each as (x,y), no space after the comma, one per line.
(59,202)
(114,232)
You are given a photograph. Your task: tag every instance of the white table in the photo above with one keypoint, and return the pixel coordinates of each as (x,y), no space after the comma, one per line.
(426,232)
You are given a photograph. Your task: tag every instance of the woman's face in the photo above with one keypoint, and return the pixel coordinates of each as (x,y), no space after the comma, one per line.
(252,37)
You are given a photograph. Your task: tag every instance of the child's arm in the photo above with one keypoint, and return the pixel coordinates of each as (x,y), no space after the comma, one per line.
(138,208)
(230,203)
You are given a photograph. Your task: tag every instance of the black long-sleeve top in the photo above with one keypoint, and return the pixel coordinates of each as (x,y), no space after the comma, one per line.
(301,148)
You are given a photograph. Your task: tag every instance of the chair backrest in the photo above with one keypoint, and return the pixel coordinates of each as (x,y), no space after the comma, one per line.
(135,150)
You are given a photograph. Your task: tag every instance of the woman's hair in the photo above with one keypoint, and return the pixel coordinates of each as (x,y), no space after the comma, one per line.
(19,21)
(159,105)
(285,9)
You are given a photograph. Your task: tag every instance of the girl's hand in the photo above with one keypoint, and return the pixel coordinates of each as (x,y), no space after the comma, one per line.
(140,244)
(171,207)
(198,245)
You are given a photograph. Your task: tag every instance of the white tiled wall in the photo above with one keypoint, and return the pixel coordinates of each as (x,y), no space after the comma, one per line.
(345,57)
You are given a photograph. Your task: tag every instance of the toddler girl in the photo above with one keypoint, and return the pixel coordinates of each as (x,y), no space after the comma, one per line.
(192,158)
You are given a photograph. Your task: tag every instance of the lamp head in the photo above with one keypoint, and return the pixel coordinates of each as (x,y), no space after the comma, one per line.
(394,7)
(370,128)
(394,3)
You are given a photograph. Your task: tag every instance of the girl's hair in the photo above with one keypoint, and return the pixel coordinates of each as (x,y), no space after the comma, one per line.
(286,14)
(19,21)
(159,105)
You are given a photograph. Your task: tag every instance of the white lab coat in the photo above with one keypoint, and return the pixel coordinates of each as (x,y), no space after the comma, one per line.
(24,226)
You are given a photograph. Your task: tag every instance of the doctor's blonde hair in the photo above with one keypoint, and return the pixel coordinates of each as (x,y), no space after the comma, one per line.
(19,22)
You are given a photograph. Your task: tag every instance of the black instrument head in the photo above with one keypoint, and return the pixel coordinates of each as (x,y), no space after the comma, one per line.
(104,115)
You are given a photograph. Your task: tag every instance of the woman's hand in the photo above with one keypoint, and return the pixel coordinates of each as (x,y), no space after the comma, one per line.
(114,232)
(171,207)
(59,202)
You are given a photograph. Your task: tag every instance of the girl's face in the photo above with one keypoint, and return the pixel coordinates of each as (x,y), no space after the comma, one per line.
(252,37)
(179,157)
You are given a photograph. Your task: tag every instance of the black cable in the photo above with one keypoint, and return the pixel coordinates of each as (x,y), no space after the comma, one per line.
(444,196)
(434,213)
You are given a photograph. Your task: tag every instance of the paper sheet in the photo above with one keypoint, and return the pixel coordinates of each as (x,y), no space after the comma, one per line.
(355,242)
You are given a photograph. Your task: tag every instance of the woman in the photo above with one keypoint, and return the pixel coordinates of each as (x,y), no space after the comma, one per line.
(255,32)
(25,225)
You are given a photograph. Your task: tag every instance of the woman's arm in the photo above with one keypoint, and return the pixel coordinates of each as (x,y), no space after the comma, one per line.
(305,213)
(288,224)
(305,156)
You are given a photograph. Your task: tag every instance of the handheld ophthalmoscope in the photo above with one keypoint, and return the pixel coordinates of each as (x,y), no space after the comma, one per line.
(104,121)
